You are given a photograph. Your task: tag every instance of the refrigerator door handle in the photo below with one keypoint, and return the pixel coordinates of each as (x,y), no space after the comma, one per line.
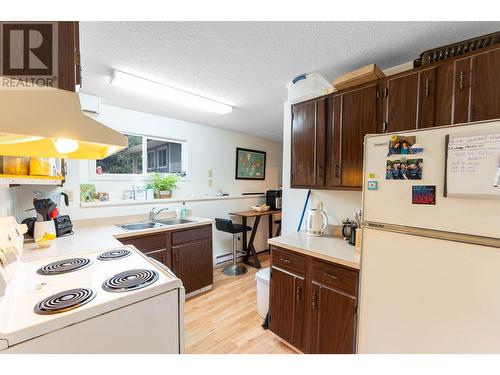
(437,234)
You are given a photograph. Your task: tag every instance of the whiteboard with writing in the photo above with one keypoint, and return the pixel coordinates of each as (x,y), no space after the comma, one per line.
(473,166)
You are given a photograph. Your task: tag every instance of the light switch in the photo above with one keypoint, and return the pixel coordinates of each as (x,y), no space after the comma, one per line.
(209,182)
(210,173)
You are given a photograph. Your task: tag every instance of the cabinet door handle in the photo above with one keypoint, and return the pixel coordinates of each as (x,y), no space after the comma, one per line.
(337,171)
(286,261)
(320,169)
(384,127)
(314,301)
(298,293)
(461,82)
(176,258)
(331,276)
(427,87)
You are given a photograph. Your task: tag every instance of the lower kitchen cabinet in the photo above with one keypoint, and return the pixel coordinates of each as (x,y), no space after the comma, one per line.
(312,303)
(287,294)
(192,263)
(187,252)
(332,321)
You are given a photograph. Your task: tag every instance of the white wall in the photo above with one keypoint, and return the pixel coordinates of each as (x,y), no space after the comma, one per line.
(210,148)
(338,204)
(6,201)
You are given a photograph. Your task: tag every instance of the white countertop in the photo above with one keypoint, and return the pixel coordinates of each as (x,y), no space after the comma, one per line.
(94,236)
(329,248)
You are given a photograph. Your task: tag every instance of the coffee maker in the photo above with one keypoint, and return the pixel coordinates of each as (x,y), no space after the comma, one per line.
(349,231)
(273,199)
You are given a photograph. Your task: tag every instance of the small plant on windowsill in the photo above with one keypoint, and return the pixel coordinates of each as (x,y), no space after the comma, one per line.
(164,184)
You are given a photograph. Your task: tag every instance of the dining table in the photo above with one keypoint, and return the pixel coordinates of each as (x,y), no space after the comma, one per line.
(248,244)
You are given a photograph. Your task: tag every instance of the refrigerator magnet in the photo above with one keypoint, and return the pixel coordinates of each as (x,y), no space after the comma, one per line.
(423,194)
(373,185)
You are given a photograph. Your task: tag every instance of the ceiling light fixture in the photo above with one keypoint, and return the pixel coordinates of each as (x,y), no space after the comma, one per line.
(146,86)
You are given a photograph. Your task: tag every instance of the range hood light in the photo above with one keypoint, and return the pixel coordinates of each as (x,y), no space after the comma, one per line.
(66,146)
(156,89)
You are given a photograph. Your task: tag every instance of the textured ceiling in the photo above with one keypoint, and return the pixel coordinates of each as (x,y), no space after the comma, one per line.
(247,64)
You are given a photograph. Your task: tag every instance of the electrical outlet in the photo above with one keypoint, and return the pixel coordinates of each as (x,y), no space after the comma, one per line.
(210,173)
(209,183)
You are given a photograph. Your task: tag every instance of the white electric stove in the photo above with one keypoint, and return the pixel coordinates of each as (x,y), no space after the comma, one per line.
(110,301)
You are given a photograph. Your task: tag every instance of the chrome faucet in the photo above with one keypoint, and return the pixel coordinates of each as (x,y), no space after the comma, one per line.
(153,213)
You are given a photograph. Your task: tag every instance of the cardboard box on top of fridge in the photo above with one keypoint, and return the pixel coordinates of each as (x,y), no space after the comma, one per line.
(359,76)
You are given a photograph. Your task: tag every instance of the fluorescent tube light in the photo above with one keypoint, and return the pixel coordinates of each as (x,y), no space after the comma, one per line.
(156,89)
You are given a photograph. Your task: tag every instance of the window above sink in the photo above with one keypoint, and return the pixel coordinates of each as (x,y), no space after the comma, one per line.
(143,156)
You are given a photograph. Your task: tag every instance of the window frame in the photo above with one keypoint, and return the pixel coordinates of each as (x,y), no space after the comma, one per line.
(166,148)
(185,153)
(147,159)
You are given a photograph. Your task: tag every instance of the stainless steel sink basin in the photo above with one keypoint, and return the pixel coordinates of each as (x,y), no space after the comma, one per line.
(154,224)
(140,226)
(174,221)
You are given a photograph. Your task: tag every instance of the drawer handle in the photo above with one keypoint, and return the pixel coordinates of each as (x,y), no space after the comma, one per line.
(331,276)
(286,261)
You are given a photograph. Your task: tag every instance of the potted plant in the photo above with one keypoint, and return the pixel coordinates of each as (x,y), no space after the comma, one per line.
(164,184)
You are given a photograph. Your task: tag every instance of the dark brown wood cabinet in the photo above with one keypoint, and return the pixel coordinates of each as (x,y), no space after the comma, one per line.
(350,116)
(400,102)
(189,263)
(308,143)
(332,321)
(312,303)
(287,294)
(69,68)
(187,252)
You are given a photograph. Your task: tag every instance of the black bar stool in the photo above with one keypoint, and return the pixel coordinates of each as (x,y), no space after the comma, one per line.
(226,225)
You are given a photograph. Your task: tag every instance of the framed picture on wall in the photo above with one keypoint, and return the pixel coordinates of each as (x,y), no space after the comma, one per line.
(250,164)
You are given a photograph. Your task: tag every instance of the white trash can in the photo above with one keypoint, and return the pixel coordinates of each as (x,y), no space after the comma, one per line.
(263,278)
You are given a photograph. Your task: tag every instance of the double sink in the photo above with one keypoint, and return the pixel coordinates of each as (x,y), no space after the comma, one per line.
(154,224)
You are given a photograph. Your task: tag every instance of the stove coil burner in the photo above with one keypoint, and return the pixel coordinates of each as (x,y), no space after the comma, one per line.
(64,266)
(130,280)
(64,301)
(114,254)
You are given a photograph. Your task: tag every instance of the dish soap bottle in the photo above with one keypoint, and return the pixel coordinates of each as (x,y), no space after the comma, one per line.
(184,211)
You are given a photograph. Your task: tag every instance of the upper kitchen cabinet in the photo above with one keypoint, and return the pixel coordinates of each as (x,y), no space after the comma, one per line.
(308,143)
(477,87)
(400,102)
(475,83)
(350,116)
(69,69)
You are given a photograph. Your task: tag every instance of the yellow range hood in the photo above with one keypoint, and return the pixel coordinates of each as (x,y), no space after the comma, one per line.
(48,122)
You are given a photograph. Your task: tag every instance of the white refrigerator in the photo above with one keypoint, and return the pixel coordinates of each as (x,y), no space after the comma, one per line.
(430,263)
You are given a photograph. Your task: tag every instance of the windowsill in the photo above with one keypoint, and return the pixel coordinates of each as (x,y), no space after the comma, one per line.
(167,201)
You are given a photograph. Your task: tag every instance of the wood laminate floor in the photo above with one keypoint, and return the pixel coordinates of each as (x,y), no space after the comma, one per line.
(225,319)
